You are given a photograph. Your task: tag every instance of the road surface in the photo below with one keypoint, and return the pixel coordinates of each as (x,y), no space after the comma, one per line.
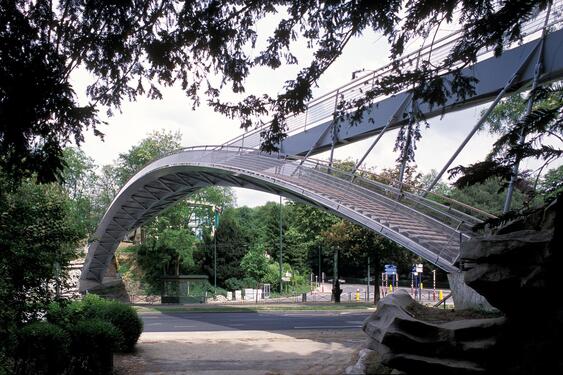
(252,321)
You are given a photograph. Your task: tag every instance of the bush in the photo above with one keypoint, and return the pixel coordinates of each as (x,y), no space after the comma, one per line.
(236,284)
(122,316)
(42,348)
(93,344)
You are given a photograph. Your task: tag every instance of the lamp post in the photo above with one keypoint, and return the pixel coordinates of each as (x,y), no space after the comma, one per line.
(281,247)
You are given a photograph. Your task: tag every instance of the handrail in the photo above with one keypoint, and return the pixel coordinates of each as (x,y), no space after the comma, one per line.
(390,180)
(394,189)
(432,51)
(442,301)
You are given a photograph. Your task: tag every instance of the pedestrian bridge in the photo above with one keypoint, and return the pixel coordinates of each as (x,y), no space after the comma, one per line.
(429,228)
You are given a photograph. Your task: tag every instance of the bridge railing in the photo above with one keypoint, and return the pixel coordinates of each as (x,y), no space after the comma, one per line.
(379,201)
(324,107)
(447,210)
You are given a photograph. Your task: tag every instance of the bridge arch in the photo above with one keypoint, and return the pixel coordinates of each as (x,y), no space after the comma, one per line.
(166,180)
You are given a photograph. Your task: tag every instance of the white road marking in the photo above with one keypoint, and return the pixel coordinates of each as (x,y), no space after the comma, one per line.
(324,327)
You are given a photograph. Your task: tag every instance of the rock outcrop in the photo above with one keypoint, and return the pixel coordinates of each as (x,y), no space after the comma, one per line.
(517,267)
(413,345)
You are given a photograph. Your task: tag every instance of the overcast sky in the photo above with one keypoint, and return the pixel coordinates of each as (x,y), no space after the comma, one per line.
(205,127)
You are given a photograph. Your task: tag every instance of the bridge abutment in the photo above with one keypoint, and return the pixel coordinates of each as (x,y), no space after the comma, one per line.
(466,297)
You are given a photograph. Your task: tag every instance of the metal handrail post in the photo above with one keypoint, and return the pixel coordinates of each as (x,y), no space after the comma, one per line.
(333,138)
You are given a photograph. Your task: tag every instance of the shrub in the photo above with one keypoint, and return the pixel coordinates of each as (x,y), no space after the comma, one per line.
(93,344)
(122,316)
(126,320)
(42,348)
(236,284)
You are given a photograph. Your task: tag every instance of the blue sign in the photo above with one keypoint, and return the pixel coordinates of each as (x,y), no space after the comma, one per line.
(390,269)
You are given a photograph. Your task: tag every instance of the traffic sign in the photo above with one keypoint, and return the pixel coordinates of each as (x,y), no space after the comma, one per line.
(390,269)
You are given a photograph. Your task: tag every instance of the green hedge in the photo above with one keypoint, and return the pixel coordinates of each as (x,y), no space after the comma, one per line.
(79,337)
(42,348)
(122,316)
(93,344)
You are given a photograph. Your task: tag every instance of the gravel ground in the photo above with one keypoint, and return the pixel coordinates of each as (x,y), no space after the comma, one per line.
(316,352)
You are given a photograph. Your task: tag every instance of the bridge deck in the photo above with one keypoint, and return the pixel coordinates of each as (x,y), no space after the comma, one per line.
(427,228)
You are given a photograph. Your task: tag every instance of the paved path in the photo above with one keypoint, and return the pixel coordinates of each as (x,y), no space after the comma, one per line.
(260,321)
(262,343)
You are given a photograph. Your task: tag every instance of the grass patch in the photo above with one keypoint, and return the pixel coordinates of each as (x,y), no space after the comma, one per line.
(251,308)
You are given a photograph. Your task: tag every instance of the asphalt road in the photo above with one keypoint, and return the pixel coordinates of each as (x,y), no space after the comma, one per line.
(260,321)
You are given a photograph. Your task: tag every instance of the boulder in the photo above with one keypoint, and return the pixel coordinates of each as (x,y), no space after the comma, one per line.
(412,345)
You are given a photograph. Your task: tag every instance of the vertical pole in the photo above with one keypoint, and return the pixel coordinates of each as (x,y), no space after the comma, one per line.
(320,268)
(331,158)
(369,280)
(434,285)
(537,70)
(407,145)
(333,138)
(281,246)
(336,283)
(215,260)
(57,279)
(335,265)
(405,157)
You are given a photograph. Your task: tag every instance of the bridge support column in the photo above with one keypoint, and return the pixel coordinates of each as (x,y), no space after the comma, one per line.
(464,296)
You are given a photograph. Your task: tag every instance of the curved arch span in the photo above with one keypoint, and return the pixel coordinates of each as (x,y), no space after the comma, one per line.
(170,178)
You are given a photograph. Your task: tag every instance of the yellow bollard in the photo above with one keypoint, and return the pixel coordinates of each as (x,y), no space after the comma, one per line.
(421,287)
(440,295)
(357,295)
(390,288)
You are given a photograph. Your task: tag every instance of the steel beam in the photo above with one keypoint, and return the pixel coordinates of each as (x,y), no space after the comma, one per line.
(492,75)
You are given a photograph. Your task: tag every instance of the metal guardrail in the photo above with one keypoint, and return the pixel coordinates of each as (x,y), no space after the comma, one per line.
(459,213)
(323,108)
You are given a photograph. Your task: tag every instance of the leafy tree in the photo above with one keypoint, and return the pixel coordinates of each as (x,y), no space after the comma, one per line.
(38,238)
(170,253)
(156,144)
(486,196)
(255,263)
(231,244)
(551,184)
(134,48)
(268,220)
(545,119)
(296,250)
(79,182)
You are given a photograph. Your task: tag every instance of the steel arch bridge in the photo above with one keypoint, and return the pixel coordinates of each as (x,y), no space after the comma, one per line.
(430,226)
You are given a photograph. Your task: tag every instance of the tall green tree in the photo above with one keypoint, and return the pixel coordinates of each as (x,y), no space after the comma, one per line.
(551,184)
(255,263)
(38,238)
(80,183)
(522,135)
(231,244)
(155,144)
